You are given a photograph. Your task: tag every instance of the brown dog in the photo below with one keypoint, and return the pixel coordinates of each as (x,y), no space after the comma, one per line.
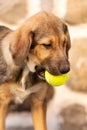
(40,44)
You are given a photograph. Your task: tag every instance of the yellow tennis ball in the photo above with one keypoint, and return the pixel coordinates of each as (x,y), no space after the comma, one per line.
(56,80)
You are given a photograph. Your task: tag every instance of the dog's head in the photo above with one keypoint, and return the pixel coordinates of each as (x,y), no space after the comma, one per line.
(43,42)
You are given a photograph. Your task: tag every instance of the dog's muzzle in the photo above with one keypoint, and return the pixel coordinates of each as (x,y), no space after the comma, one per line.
(64,67)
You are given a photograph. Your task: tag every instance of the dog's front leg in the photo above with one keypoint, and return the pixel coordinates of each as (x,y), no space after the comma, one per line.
(3,113)
(5,98)
(38,107)
(39,115)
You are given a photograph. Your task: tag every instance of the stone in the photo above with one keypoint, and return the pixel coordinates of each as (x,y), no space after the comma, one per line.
(78,62)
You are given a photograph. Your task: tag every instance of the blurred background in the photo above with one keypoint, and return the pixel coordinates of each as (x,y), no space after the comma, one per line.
(68,108)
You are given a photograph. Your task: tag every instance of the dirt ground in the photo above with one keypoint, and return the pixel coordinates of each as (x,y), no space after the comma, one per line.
(67,111)
(19,128)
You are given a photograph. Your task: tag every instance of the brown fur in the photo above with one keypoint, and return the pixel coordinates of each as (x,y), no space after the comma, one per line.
(40,44)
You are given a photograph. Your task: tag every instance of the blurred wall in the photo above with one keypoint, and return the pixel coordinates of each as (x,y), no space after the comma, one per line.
(73,12)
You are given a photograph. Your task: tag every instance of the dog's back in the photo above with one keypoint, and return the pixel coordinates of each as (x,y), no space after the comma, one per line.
(5,70)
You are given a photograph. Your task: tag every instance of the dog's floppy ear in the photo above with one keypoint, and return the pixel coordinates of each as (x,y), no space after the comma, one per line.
(20,45)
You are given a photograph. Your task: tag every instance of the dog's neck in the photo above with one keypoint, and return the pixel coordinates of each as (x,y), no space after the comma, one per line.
(8,70)
(5,45)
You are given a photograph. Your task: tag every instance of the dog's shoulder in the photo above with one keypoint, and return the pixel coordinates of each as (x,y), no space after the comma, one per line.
(4,31)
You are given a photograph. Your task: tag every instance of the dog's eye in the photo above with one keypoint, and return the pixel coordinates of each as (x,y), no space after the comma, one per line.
(64,43)
(27,58)
(47,46)
(32,46)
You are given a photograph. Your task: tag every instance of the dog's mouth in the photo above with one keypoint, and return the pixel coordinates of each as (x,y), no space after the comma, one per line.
(41,73)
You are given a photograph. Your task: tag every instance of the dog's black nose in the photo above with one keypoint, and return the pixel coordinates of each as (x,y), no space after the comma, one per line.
(64,68)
